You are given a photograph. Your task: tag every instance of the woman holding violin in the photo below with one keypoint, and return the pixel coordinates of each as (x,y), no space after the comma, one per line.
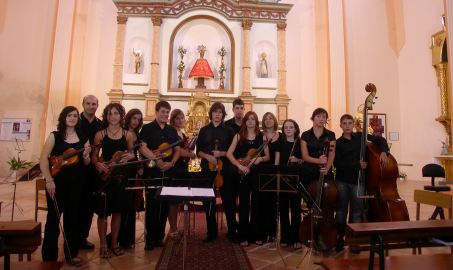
(64,189)
(134,202)
(117,147)
(247,149)
(178,121)
(318,152)
(214,140)
(289,154)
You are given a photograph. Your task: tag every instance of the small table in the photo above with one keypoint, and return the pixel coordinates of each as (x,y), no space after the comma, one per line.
(377,231)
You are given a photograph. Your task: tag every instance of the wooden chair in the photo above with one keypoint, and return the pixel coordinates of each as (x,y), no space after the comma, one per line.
(40,186)
(437,199)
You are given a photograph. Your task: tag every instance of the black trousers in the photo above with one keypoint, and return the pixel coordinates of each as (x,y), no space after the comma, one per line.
(210,211)
(68,203)
(156,213)
(290,230)
(229,194)
(87,202)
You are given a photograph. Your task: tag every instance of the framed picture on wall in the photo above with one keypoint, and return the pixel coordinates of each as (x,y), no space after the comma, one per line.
(377,124)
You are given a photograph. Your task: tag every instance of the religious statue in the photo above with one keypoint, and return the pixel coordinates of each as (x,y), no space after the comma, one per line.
(201,69)
(137,60)
(263,70)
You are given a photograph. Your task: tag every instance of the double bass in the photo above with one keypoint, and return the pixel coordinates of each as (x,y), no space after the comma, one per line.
(383,200)
(319,227)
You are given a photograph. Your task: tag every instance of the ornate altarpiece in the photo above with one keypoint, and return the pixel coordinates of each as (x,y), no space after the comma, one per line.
(255,72)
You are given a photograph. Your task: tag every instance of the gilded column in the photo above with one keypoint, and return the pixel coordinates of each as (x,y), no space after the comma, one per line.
(116,93)
(246,27)
(281,69)
(152,96)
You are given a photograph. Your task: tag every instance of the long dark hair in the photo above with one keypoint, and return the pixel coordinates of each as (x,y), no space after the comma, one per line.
(108,109)
(61,126)
(127,120)
(243,131)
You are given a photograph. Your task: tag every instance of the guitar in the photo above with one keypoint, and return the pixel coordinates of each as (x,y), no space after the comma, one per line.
(69,157)
(164,150)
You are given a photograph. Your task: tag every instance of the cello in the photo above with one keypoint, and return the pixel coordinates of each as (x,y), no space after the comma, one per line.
(384,202)
(319,227)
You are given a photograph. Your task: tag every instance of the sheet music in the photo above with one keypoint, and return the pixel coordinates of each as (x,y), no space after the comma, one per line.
(185,191)
(203,192)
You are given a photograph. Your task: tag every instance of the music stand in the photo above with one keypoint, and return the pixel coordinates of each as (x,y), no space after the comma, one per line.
(186,187)
(277,179)
(148,184)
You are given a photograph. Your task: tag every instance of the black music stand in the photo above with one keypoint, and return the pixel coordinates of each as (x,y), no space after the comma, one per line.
(149,184)
(278,178)
(186,187)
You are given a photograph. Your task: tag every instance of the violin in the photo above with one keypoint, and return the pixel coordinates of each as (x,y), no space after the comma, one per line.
(319,227)
(117,161)
(164,150)
(69,157)
(189,146)
(218,180)
(252,155)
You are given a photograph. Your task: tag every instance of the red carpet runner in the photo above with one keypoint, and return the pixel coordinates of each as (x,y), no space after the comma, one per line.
(219,254)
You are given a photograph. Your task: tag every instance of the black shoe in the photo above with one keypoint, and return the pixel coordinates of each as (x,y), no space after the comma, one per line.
(209,239)
(233,237)
(86,245)
(354,249)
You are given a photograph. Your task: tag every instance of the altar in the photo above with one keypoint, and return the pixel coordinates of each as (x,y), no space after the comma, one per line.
(212,50)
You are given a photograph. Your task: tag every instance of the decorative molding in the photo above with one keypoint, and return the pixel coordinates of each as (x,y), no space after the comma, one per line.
(157,20)
(121,19)
(281,26)
(136,84)
(231,9)
(247,24)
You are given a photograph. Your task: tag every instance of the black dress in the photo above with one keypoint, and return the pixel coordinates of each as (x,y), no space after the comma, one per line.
(247,184)
(110,193)
(68,194)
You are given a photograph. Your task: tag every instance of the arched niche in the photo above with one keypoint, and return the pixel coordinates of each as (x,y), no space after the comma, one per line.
(212,33)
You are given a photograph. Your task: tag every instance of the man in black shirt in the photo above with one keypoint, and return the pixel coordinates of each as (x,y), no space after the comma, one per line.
(238,111)
(212,144)
(89,125)
(153,135)
(348,164)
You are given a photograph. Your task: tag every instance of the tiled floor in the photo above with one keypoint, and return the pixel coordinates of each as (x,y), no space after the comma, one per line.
(262,257)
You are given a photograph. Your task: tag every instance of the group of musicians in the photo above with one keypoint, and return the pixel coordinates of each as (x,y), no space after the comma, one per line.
(119,148)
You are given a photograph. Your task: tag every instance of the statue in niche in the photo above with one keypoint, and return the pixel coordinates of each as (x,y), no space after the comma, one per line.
(137,60)
(263,69)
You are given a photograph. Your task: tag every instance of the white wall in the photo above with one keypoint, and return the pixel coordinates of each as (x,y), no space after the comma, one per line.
(420,134)
(25,39)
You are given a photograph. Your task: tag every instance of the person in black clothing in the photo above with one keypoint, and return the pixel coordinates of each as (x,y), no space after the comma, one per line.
(238,111)
(347,163)
(153,135)
(89,125)
(64,190)
(230,191)
(289,153)
(110,193)
(212,144)
(178,121)
(133,122)
(243,146)
(263,218)
(313,140)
